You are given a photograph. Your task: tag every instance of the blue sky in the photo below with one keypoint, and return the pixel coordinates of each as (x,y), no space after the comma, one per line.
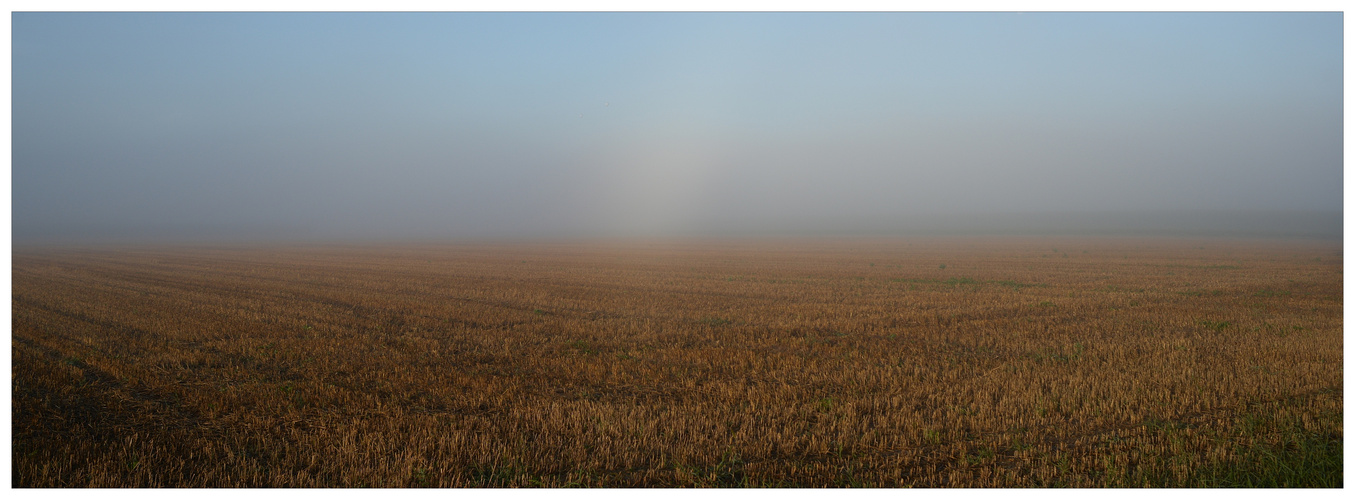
(556,124)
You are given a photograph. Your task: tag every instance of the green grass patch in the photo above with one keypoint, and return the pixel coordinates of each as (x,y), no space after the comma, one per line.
(1217,326)
(714,321)
(582,347)
(1307,462)
(1297,459)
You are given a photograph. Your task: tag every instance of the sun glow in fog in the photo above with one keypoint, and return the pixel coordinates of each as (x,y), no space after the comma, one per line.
(659,186)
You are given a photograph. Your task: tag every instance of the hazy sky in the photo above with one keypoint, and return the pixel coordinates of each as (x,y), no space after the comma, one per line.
(315,125)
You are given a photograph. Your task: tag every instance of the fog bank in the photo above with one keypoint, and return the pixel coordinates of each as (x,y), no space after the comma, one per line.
(259,126)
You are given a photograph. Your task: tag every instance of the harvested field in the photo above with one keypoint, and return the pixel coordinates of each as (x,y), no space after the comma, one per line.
(959,362)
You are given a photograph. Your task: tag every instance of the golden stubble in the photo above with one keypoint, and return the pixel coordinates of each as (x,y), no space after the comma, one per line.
(923,362)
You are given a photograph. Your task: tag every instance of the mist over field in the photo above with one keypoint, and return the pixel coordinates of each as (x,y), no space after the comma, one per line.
(330,126)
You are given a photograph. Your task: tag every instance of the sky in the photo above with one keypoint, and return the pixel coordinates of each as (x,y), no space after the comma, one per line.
(268,126)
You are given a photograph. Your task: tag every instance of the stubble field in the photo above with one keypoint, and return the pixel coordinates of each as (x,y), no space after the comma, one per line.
(922,362)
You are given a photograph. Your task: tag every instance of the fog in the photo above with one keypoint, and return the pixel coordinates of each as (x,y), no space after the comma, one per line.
(307,126)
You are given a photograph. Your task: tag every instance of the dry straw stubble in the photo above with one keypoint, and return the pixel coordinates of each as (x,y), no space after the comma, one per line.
(925,362)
